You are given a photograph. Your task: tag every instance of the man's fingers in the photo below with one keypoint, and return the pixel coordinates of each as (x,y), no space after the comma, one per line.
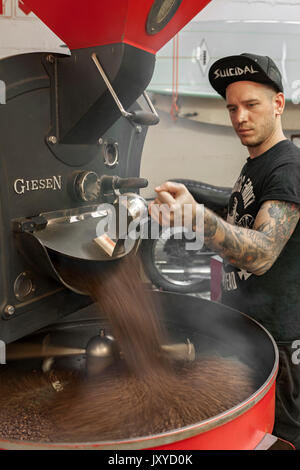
(170,204)
(165,197)
(160,213)
(171,187)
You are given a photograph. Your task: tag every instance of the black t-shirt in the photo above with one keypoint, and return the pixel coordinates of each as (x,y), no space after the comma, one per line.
(273,299)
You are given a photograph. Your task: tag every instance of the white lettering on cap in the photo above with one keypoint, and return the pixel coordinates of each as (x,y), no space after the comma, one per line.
(234,72)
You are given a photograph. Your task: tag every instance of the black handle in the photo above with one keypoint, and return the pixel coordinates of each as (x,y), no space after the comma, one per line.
(109,183)
(133,183)
(144,118)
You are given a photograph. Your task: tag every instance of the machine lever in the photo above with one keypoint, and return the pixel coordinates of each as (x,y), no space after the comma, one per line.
(111,183)
(89,187)
(143,118)
(138,117)
(133,183)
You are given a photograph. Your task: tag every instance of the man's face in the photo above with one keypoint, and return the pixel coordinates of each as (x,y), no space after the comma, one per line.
(252,108)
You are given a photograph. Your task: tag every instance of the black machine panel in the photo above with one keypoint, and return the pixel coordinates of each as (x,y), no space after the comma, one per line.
(38,167)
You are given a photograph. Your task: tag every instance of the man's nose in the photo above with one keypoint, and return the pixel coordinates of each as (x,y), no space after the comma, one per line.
(241,115)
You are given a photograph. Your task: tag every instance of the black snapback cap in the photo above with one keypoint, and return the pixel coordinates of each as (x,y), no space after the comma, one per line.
(244,67)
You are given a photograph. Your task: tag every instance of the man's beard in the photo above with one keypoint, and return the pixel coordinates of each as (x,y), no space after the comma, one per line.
(267,131)
(257,143)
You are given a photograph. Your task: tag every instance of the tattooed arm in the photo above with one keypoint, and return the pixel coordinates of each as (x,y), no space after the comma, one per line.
(255,249)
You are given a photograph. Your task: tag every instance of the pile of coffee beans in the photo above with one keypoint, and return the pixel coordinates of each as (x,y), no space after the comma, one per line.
(144,394)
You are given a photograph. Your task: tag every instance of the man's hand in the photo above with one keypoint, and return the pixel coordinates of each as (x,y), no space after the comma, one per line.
(173,206)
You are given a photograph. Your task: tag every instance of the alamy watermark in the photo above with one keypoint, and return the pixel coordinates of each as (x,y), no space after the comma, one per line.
(2,92)
(167,223)
(2,352)
(296,354)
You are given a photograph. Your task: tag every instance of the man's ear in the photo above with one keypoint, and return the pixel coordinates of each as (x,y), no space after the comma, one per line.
(279,103)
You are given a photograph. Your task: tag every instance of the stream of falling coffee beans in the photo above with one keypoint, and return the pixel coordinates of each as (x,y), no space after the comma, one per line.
(146,393)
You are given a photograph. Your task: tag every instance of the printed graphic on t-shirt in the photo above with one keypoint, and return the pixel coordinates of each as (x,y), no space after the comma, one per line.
(242,197)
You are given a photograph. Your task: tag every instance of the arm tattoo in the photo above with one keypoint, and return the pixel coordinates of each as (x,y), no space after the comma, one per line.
(255,249)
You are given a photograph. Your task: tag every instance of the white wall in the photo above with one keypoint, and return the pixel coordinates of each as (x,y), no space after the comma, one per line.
(189,149)
(264,10)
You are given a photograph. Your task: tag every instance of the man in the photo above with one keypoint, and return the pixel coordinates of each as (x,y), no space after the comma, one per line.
(260,241)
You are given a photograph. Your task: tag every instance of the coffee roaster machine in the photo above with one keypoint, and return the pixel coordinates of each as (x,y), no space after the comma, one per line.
(72,133)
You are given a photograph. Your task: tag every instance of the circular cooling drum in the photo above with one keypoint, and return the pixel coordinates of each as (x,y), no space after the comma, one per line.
(214,330)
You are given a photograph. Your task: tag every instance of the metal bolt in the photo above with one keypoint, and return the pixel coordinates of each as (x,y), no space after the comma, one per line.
(9,310)
(52,139)
(138,129)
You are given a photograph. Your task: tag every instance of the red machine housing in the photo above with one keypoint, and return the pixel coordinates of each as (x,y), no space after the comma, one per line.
(96,23)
